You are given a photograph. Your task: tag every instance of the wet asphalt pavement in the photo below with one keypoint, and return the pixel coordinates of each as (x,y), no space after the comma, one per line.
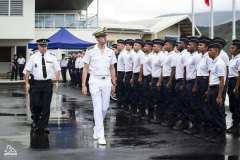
(128,138)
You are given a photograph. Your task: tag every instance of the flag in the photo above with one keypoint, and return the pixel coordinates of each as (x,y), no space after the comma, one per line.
(207,2)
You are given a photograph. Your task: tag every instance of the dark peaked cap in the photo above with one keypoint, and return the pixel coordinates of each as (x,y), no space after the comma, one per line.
(129,41)
(139,41)
(221,41)
(215,45)
(42,41)
(158,41)
(148,42)
(121,41)
(236,42)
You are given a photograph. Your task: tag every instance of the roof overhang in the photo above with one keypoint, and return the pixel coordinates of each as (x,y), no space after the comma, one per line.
(48,5)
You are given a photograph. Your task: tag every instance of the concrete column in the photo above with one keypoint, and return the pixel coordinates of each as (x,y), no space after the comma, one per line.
(14,51)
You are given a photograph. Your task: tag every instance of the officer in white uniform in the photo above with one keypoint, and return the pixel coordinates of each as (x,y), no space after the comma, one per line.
(99,61)
(64,65)
(79,68)
(191,74)
(217,79)
(223,55)
(128,65)
(180,83)
(157,60)
(136,78)
(21,63)
(202,82)
(167,79)
(234,87)
(146,69)
(44,68)
(120,72)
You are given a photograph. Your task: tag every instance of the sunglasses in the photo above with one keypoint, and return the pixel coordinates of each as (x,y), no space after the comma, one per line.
(43,45)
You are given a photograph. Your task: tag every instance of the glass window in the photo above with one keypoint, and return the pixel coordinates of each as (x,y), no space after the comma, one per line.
(59,20)
(49,21)
(69,20)
(40,21)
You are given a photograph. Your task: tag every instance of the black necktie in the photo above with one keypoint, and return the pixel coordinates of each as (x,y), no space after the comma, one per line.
(44,67)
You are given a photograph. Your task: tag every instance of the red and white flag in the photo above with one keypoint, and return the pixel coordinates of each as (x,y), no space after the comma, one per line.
(207,2)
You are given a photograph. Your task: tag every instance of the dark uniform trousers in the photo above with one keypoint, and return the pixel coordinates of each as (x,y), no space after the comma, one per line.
(189,100)
(155,92)
(201,101)
(146,92)
(71,68)
(79,76)
(14,73)
(169,100)
(64,71)
(20,69)
(136,92)
(179,100)
(234,102)
(128,88)
(40,98)
(217,112)
(120,87)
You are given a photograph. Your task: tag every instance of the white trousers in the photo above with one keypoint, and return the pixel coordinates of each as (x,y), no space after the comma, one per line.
(100,90)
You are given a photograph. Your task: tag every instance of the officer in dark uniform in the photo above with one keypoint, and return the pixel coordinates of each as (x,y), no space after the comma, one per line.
(71,69)
(234,87)
(44,67)
(14,68)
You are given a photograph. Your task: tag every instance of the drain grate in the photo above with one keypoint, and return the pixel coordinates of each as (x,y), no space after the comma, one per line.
(12,114)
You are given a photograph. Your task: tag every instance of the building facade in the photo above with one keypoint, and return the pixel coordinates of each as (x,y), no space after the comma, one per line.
(24,21)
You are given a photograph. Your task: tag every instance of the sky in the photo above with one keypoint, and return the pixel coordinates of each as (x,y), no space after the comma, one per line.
(129,10)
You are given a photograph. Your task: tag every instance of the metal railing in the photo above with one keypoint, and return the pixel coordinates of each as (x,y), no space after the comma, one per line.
(68,20)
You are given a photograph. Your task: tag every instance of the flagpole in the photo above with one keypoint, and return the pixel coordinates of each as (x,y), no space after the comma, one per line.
(234,19)
(212,20)
(98,13)
(193,19)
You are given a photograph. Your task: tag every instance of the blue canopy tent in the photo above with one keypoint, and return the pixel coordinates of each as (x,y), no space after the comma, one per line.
(63,39)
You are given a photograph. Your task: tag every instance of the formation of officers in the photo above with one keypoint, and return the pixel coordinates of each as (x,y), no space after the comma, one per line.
(74,65)
(181,84)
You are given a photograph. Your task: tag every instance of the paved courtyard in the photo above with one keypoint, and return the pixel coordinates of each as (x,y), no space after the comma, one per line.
(128,138)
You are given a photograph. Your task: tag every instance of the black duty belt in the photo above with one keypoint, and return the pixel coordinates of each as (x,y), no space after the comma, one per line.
(202,77)
(42,81)
(214,86)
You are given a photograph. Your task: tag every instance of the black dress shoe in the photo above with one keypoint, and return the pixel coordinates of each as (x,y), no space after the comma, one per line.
(192,130)
(235,131)
(39,139)
(47,131)
(179,125)
(230,130)
(167,123)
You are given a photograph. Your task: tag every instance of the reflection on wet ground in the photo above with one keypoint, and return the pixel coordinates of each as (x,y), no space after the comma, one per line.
(71,126)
